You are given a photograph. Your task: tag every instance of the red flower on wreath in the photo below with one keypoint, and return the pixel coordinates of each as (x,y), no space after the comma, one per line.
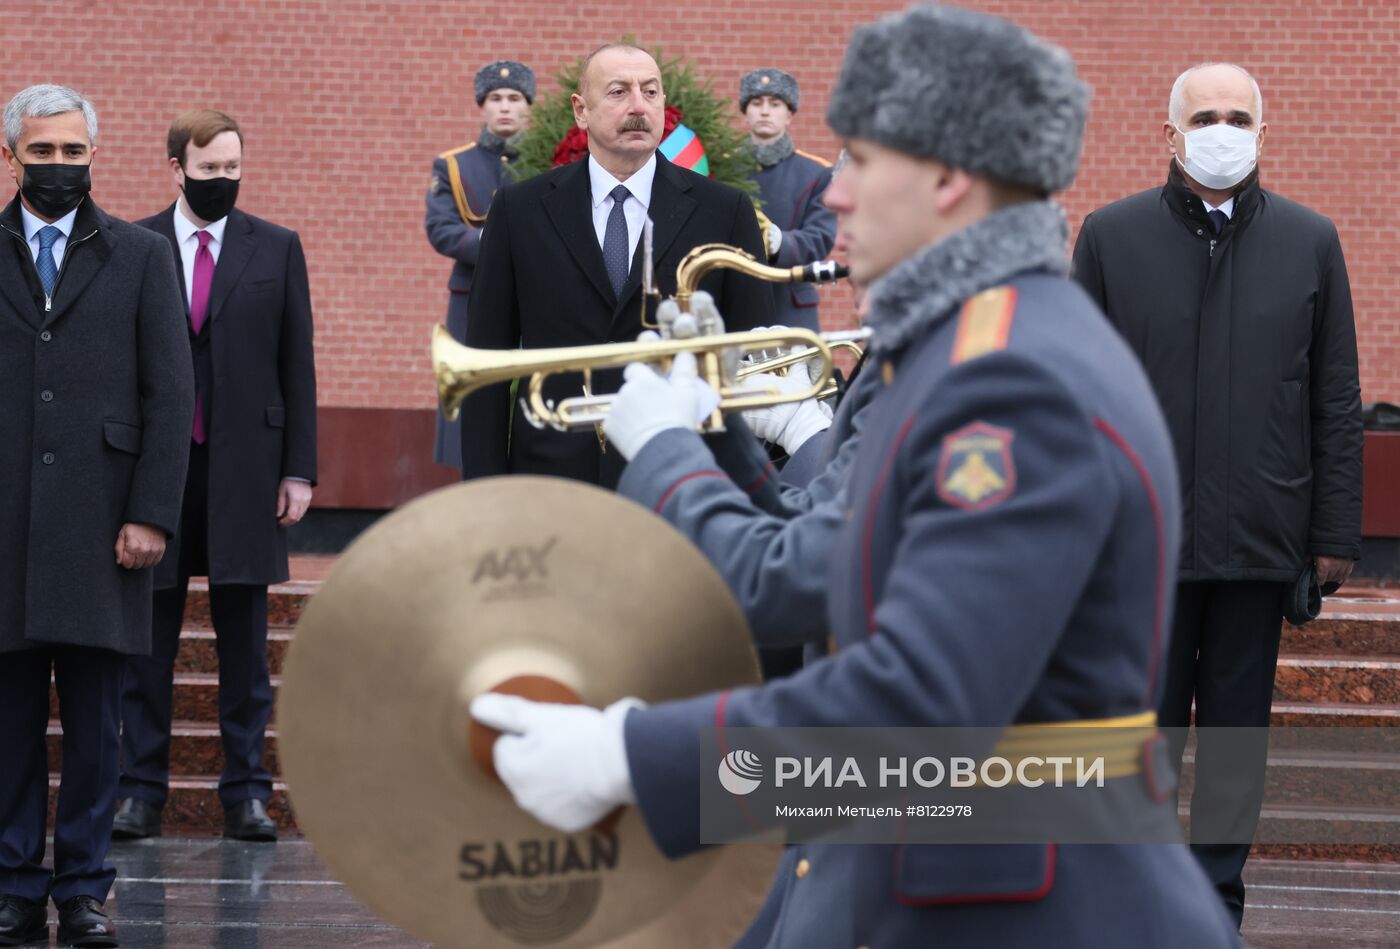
(572,147)
(673,118)
(574,144)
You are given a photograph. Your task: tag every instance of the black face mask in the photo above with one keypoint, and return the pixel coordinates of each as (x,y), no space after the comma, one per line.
(211,198)
(54,190)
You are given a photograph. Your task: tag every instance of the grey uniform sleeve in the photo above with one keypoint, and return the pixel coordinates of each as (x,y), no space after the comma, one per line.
(815,233)
(776,566)
(447,232)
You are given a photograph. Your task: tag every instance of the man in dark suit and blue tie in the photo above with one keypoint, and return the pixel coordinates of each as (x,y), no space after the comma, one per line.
(560,263)
(252,456)
(96,397)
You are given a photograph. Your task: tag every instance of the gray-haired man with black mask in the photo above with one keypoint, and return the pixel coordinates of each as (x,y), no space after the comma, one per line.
(97,397)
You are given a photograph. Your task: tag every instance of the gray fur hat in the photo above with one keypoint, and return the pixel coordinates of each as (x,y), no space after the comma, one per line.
(505,74)
(970,90)
(768,82)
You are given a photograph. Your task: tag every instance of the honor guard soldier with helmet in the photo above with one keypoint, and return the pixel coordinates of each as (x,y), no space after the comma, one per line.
(459,195)
(800,229)
(998,551)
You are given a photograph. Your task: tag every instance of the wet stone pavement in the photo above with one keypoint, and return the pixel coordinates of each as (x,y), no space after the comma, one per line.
(191,893)
(197,892)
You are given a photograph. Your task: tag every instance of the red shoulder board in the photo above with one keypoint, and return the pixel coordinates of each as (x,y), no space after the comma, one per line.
(984,325)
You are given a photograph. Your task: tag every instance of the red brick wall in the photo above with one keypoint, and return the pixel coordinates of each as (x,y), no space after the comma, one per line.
(345,102)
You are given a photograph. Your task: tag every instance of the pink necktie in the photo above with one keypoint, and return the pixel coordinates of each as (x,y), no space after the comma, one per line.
(199,309)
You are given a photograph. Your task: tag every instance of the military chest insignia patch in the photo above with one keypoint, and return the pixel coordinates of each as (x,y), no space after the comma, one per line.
(975,469)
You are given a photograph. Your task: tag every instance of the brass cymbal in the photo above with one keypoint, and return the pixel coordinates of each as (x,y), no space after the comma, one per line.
(448,597)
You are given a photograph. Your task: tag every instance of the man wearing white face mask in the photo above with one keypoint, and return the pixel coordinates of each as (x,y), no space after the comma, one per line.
(1236,300)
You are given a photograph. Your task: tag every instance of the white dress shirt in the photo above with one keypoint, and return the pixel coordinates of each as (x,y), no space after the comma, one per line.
(32,225)
(1228,207)
(635,211)
(186,236)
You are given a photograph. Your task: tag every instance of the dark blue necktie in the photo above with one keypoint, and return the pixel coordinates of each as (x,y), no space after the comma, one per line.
(615,242)
(48,270)
(1218,219)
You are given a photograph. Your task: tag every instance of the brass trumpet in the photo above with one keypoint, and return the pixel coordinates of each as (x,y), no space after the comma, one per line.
(844,341)
(460,370)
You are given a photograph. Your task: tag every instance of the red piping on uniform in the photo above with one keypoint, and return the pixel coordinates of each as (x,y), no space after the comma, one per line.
(796,220)
(1160,618)
(720,703)
(768,470)
(1024,896)
(801,200)
(672,489)
(868,534)
(723,749)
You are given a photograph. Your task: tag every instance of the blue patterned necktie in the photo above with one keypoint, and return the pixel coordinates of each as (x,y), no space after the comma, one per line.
(615,242)
(48,270)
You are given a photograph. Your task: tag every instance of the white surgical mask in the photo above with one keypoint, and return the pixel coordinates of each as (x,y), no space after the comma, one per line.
(1220,156)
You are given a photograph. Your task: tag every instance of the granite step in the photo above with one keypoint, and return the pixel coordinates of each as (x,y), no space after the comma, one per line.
(195,697)
(193,808)
(1360,780)
(1337,679)
(1357,626)
(1361,622)
(195,749)
(1322,832)
(285,601)
(198,650)
(1334,715)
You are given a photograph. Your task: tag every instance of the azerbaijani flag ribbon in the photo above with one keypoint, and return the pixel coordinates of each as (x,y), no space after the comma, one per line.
(683,147)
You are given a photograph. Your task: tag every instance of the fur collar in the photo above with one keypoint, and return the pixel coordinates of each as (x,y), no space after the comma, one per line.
(497,145)
(768,154)
(923,290)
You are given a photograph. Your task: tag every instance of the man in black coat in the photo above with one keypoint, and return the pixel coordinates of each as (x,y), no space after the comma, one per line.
(96,397)
(252,461)
(1236,301)
(560,263)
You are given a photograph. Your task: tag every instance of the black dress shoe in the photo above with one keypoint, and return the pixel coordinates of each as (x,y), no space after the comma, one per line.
(23,921)
(248,820)
(81,922)
(136,819)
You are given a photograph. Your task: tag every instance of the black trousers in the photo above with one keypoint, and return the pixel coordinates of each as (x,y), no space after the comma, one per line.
(1223,653)
(245,689)
(89,684)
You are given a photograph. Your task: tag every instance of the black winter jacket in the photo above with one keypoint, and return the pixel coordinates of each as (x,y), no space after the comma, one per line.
(1249,342)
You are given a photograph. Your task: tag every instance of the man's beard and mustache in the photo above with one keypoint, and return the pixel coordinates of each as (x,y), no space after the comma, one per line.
(635,123)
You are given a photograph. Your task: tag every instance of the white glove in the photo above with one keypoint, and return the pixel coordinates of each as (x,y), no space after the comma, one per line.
(649,404)
(811,367)
(773,237)
(788,424)
(565,765)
